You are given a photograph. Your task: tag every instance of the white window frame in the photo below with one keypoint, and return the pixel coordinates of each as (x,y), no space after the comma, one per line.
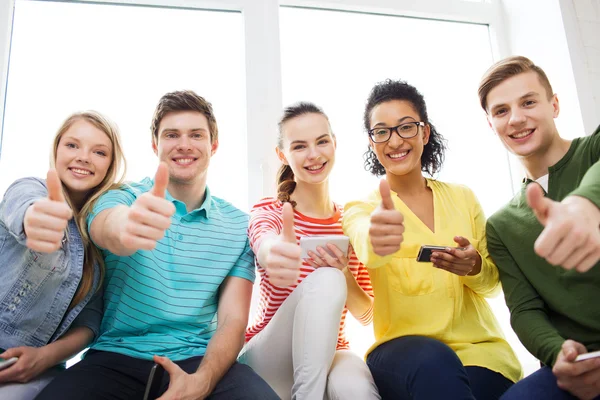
(262,58)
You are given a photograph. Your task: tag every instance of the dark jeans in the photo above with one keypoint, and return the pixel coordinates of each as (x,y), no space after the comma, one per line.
(417,367)
(104,375)
(539,385)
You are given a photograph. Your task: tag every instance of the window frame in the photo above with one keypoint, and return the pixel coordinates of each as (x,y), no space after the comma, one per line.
(262,56)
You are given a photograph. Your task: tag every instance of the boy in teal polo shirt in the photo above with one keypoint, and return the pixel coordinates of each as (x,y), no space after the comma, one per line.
(179,274)
(546,240)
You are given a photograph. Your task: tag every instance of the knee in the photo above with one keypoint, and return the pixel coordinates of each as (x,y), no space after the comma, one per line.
(432,354)
(352,387)
(350,378)
(423,353)
(328,282)
(241,381)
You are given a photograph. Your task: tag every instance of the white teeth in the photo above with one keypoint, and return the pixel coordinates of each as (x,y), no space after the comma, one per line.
(315,167)
(398,155)
(80,171)
(184,160)
(522,134)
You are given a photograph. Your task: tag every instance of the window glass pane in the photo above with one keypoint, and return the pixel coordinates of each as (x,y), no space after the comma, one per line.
(334,59)
(119,60)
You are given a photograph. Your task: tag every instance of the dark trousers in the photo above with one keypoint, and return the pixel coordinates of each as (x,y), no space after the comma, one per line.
(105,375)
(539,385)
(417,367)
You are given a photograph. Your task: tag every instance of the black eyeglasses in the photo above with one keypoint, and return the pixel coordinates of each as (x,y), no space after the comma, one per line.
(406,130)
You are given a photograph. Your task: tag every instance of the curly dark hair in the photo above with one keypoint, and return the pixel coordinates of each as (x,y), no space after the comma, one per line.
(433,152)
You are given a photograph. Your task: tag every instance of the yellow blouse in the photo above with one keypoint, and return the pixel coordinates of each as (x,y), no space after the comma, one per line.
(415,298)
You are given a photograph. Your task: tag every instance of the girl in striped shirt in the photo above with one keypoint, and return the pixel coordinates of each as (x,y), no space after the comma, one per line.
(297,342)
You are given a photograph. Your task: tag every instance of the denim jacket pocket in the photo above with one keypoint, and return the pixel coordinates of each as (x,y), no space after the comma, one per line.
(55,262)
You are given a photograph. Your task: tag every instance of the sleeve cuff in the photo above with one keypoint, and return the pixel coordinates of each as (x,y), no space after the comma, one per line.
(367,317)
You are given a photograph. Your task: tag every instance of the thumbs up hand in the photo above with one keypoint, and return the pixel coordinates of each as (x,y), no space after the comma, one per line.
(283,262)
(571,235)
(387,224)
(149,216)
(46,220)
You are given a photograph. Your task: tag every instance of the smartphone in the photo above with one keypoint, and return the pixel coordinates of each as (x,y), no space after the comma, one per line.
(7,363)
(310,243)
(154,382)
(587,356)
(426,250)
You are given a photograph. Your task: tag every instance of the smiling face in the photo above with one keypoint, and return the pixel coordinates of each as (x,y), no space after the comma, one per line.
(308,147)
(398,156)
(83,157)
(184,143)
(522,114)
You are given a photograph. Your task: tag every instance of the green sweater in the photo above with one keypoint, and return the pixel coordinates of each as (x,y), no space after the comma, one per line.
(549,304)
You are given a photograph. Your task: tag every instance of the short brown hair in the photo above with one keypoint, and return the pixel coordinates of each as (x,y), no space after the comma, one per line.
(507,68)
(185,100)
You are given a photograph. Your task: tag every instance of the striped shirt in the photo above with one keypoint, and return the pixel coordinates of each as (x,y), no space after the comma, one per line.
(164,301)
(265,219)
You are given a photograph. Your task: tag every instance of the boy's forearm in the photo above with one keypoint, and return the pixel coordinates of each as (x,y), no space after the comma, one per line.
(107,227)
(221,353)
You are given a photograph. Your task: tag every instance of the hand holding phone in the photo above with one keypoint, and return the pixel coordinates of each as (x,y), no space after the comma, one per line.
(154,382)
(7,363)
(462,260)
(426,250)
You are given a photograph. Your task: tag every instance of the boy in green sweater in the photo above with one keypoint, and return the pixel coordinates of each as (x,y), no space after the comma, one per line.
(546,240)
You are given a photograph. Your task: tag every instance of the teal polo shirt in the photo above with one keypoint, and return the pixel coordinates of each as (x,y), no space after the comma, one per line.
(164,301)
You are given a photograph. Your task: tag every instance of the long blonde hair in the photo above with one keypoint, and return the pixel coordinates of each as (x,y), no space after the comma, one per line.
(113,179)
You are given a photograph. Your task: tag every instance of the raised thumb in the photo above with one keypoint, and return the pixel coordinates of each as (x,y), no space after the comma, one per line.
(538,203)
(54,185)
(386,195)
(161,180)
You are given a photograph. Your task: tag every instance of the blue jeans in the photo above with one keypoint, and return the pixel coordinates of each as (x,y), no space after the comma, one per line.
(539,385)
(417,367)
(105,375)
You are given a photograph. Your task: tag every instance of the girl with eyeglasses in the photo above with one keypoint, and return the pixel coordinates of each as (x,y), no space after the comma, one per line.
(436,336)
(297,342)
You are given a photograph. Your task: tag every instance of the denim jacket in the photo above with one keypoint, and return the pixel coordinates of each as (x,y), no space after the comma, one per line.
(36,289)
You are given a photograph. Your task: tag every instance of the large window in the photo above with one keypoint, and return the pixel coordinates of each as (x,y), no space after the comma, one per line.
(119,60)
(337,61)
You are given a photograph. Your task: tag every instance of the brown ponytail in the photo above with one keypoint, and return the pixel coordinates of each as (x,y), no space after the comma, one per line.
(285,184)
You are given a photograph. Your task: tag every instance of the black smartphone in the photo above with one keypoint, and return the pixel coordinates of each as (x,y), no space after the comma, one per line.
(426,250)
(154,382)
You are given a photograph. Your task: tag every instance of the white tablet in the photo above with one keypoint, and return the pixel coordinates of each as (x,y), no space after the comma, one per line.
(310,243)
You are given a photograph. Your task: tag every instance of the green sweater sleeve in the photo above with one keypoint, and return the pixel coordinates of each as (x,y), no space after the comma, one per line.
(528,313)
(590,184)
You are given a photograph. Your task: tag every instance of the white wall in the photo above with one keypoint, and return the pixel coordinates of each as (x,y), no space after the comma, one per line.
(588,24)
(581,20)
(6,12)
(541,37)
